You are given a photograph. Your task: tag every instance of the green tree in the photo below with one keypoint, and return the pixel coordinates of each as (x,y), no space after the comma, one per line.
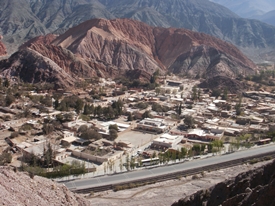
(112,134)
(216,93)
(56,103)
(47,101)
(132,163)
(196,148)
(157,90)
(48,155)
(113,126)
(238,109)
(218,144)
(120,164)
(189,121)
(179,109)
(183,152)
(79,105)
(127,164)
(146,114)
(91,134)
(9,99)
(194,93)
(225,93)
(47,128)
(82,128)
(210,147)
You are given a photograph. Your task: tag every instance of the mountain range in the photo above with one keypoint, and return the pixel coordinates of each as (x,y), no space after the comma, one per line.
(123,47)
(263,10)
(25,19)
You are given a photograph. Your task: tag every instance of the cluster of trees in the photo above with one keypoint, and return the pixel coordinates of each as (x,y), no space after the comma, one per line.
(88,133)
(172,155)
(136,83)
(97,93)
(265,77)
(110,112)
(198,149)
(71,102)
(45,161)
(75,168)
(141,105)
(11,93)
(219,93)
(196,93)
(159,108)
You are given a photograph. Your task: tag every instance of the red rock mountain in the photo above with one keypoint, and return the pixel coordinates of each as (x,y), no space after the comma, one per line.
(111,48)
(129,44)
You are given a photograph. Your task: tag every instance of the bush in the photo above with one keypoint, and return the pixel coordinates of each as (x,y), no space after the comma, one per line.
(5,158)
(14,134)
(9,100)
(113,134)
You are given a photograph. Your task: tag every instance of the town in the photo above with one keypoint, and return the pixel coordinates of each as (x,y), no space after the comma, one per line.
(105,126)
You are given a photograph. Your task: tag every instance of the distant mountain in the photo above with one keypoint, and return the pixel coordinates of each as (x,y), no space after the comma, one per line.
(251,36)
(25,19)
(123,47)
(268,17)
(263,10)
(248,8)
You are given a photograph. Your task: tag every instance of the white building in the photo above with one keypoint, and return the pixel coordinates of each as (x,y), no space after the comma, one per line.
(155,125)
(167,141)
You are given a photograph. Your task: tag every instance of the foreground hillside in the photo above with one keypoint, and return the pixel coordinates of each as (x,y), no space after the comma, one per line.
(256,187)
(115,48)
(17,188)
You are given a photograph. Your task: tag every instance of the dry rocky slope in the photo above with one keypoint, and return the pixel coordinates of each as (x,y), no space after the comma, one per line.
(255,187)
(17,188)
(112,48)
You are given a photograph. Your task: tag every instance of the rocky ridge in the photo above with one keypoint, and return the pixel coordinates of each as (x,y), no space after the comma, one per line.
(255,187)
(17,188)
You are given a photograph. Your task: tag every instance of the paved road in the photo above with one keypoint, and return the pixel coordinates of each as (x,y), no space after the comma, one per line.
(120,178)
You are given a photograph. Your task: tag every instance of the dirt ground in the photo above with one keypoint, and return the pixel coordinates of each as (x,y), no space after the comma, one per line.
(166,193)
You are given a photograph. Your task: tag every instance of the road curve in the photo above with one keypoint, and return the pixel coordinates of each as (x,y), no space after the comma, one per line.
(147,173)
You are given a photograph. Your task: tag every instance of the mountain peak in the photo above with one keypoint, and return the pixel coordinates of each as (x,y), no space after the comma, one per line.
(123,47)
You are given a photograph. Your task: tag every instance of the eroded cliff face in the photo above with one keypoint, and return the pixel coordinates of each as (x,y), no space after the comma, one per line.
(129,45)
(255,187)
(38,61)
